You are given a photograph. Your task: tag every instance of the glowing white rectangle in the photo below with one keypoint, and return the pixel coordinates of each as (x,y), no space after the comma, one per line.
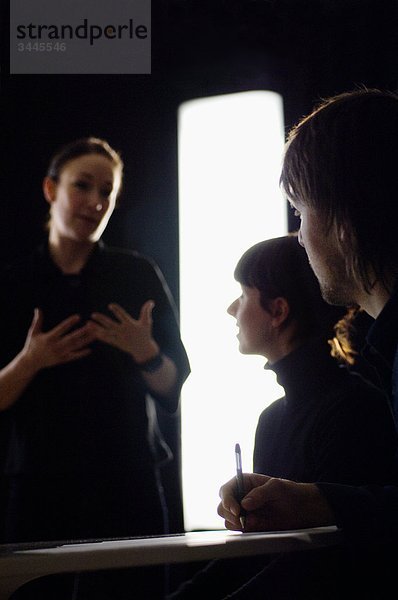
(230,151)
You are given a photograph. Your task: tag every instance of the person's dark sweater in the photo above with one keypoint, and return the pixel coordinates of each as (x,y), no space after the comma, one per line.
(330,426)
(371,512)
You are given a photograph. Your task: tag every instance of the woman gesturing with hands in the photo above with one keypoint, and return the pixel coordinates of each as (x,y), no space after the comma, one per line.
(80,383)
(61,345)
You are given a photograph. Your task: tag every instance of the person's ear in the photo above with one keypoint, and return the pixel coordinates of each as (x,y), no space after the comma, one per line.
(49,189)
(279,309)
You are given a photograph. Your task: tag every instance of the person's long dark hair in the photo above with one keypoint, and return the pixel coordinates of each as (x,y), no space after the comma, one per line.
(342,160)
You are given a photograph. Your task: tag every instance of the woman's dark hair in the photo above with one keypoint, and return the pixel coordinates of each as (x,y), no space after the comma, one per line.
(350,335)
(81,147)
(342,161)
(279,267)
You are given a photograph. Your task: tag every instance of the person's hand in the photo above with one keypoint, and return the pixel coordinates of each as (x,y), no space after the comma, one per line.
(273,504)
(56,346)
(133,336)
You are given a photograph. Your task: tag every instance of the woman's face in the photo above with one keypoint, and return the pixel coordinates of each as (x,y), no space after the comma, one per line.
(83,198)
(253,322)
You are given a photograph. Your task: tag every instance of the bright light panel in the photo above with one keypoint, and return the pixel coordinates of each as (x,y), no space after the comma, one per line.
(230,151)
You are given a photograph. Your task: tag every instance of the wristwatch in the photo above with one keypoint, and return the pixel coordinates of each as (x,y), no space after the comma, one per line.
(152,365)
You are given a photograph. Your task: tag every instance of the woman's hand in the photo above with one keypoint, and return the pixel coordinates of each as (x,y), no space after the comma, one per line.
(133,336)
(42,349)
(56,346)
(273,504)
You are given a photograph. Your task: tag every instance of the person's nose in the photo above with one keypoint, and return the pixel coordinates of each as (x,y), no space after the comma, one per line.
(96,202)
(231,310)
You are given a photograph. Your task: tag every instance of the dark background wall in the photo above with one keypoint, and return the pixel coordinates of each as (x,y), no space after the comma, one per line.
(304,49)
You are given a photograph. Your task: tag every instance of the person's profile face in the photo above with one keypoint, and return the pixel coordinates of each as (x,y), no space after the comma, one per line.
(326,256)
(252,320)
(84,197)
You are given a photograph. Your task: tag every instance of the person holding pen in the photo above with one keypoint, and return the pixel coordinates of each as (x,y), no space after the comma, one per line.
(340,175)
(329,426)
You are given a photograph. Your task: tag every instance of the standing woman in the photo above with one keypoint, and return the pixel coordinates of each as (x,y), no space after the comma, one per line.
(90,341)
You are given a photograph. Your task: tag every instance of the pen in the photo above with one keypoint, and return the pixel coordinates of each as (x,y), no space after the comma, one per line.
(239,480)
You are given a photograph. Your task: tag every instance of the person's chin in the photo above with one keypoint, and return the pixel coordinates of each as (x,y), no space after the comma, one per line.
(243,349)
(336,297)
